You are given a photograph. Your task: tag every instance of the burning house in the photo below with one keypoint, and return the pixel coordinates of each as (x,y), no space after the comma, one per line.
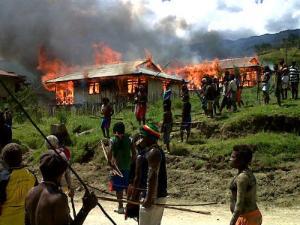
(249,68)
(116,81)
(12,80)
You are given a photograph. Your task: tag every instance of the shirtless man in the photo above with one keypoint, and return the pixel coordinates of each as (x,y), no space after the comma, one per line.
(243,189)
(46,204)
(150,176)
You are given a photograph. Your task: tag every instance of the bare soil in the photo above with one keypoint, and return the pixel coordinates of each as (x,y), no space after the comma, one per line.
(220,216)
(280,187)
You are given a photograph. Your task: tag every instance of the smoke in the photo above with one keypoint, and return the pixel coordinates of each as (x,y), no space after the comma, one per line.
(68,29)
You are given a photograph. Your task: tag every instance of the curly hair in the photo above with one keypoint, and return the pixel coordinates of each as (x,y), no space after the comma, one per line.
(12,155)
(244,152)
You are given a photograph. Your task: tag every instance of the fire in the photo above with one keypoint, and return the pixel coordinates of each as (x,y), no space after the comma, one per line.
(53,68)
(195,73)
(103,54)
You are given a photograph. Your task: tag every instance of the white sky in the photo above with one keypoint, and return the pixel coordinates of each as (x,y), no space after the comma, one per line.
(269,17)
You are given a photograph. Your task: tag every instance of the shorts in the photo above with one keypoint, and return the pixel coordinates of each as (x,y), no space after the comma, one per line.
(120,183)
(105,123)
(186,123)
(152,215)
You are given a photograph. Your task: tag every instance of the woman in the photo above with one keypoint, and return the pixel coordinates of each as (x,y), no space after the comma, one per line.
(14,186)
(243,189)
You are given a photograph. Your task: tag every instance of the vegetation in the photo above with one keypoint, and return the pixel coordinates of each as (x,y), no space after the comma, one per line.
(288,49)
(273,148)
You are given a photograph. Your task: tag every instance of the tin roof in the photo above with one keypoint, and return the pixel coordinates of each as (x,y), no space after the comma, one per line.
(112,70)
(239,62)
(8,74)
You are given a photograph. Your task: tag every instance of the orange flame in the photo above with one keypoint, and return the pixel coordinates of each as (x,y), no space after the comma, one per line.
(195,73)
(103,54)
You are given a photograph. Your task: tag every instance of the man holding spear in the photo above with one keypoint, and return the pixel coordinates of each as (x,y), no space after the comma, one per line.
(46,204)
(120,156)
(150,176)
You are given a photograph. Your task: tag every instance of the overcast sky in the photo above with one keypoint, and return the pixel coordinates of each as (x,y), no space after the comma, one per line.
(240,18)
(68,29)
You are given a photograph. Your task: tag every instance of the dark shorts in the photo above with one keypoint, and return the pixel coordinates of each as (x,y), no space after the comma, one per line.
(105,122)
(120,183)
(186,123)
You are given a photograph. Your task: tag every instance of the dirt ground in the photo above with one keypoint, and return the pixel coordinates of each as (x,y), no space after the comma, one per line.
(220,215)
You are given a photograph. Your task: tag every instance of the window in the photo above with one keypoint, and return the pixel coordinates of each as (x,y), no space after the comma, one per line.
(94,88)
(132,84)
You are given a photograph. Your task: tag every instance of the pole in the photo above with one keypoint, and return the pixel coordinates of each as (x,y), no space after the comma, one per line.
(44,136)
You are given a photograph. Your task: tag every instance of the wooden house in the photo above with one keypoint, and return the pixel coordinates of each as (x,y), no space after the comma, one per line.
(249,68)
(115,81)
(12,80)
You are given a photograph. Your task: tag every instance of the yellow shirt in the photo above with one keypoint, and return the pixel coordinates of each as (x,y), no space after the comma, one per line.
(13,210)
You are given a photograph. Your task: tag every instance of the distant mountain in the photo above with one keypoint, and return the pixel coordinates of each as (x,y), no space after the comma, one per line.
(242,47)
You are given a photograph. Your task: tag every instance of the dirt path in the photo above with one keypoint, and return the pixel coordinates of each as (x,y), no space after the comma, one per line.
(220,216)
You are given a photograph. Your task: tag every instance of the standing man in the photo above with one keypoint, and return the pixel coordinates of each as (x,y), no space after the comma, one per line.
(266,84)
(141,105)
(107,111)
(231,92)
(294,79)
(120,157)
(277,84)
(15,182)
(243,189)
(46,204)
(210,95)
(225,84)
(186,118)
(284,73)
(167,125)
(167,96)
(151,176)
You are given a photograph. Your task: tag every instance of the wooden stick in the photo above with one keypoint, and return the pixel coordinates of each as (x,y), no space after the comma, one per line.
(104,151)
(164,205)
(115,168)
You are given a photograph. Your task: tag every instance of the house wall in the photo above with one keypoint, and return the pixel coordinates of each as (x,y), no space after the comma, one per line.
(175,90)
(155,89)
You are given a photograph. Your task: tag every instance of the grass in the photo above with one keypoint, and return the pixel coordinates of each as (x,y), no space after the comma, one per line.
(274,55)
(273,148)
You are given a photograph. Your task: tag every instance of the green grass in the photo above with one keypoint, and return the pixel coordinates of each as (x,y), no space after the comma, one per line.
(273,147)
(274,55)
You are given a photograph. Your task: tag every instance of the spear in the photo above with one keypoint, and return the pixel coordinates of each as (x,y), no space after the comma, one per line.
(46,139)
(167,206)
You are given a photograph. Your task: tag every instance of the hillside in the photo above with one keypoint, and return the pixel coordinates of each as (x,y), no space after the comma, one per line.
(241,47)
(198,169)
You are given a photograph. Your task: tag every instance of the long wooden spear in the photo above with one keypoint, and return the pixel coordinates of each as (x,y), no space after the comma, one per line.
(46,139)
(167,206)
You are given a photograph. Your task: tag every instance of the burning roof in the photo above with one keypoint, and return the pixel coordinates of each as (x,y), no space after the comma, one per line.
(239,62)
(113,70)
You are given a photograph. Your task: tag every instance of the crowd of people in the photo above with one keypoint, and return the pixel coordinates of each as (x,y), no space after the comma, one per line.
(138,163)
(282,79)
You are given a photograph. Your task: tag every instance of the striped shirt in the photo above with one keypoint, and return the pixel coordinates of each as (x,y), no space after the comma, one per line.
(294,74)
